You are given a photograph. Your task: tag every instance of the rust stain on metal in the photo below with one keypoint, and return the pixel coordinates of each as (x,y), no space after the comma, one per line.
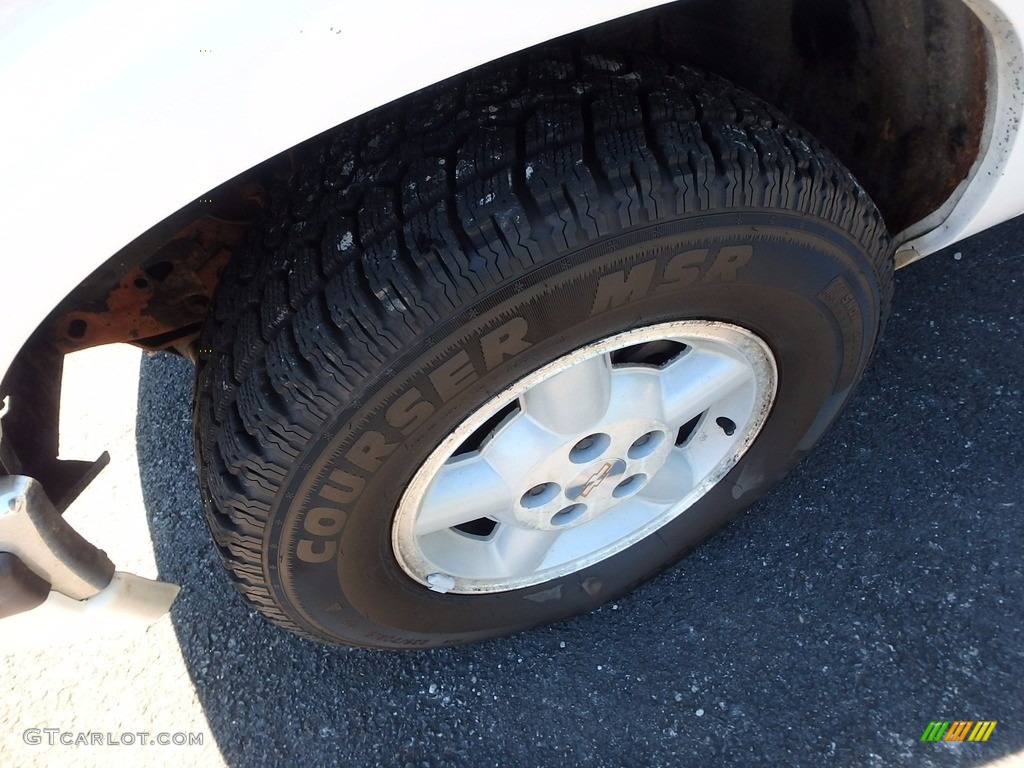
(160,304)
(964,146)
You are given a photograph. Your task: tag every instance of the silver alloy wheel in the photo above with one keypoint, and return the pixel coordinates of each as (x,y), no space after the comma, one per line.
(584,457)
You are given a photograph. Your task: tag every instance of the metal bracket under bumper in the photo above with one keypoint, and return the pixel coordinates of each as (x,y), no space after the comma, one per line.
(84,589)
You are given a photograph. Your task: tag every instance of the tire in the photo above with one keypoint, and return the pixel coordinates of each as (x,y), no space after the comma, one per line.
(561,224)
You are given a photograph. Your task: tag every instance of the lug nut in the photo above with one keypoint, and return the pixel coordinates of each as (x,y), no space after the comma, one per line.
(645,444)
(589,448)
(569,514)
(629,486)
(540,495)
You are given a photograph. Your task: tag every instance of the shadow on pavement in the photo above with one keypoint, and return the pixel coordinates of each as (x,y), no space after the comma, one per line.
(878,588)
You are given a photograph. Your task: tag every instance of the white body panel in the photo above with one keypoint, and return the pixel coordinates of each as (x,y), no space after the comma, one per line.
(113,116)
(117,113)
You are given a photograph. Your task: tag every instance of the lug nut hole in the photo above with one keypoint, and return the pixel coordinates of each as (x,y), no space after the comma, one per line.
(589,448)
(629,486)
(569,514)
(540,495)
(646,444)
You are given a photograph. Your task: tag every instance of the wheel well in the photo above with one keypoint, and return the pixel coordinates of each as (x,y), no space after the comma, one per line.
(894,88)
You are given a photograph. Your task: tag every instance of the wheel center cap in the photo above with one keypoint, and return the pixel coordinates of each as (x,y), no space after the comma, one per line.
(596,481)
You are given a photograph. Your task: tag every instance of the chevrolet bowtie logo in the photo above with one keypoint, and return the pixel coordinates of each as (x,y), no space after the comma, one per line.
(596,479)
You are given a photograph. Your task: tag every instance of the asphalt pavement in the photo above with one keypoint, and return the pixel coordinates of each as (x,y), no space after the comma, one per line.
(878,588)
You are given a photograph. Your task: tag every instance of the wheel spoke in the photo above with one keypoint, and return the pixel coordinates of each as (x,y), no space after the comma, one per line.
(636,393)
(697,381)
(673,481)
(521,550)
(702,456)
(464,490)
(517,446)
(572,401)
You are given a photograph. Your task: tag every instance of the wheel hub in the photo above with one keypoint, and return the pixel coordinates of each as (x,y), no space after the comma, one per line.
(559,494)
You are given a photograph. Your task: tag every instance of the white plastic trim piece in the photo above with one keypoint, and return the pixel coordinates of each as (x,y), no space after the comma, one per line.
(129,603)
